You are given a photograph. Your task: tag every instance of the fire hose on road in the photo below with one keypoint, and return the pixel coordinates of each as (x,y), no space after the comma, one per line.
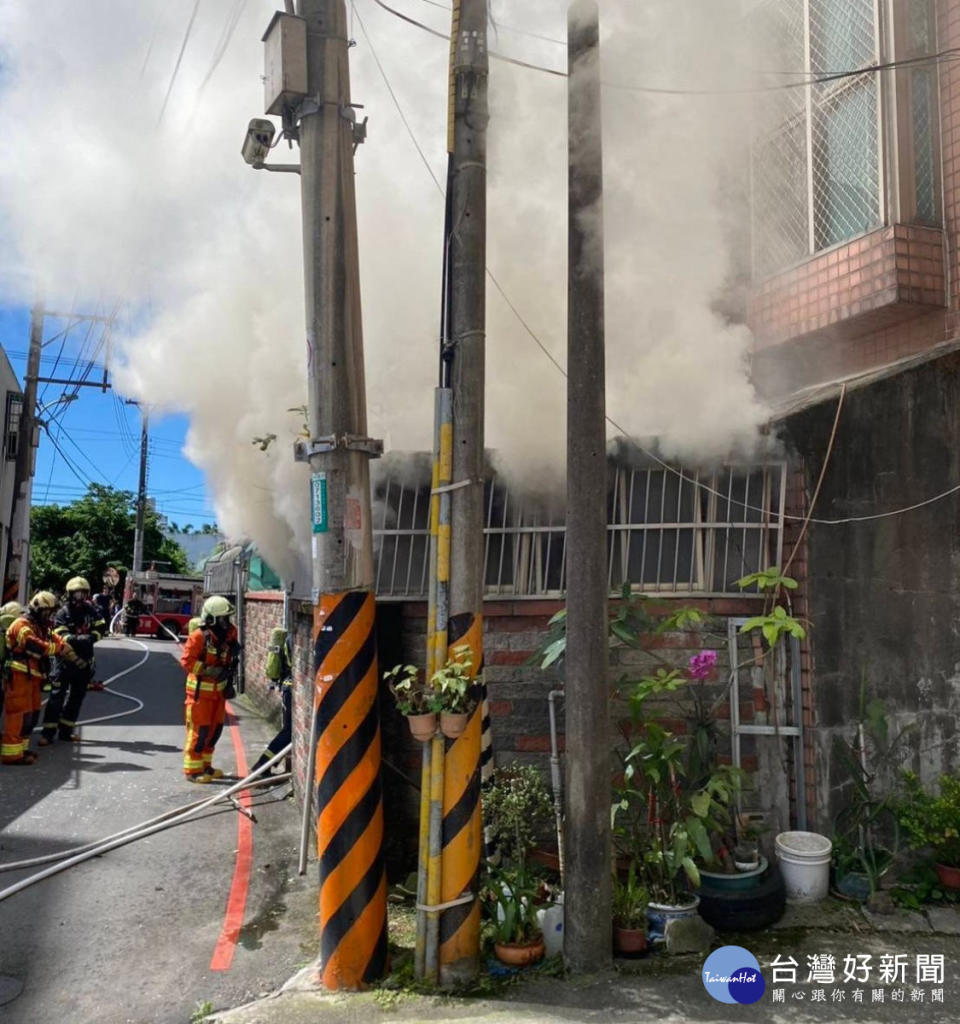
(165,821)
(174,816)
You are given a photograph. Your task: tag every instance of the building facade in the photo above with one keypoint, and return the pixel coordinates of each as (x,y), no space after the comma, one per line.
(855,310)
(12,394)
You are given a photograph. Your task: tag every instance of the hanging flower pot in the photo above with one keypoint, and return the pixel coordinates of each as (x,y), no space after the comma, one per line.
(452,724)
(423,727)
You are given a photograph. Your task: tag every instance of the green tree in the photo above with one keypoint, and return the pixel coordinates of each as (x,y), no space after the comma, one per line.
(94,532)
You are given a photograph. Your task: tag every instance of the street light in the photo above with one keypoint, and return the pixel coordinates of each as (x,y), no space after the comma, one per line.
(41,409)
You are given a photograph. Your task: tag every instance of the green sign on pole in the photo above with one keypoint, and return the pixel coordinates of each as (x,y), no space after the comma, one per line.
(318,503)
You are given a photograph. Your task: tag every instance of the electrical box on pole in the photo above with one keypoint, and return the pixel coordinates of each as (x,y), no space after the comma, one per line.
(284,62)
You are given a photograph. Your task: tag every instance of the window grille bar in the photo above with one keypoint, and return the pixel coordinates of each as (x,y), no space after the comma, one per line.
(536,567)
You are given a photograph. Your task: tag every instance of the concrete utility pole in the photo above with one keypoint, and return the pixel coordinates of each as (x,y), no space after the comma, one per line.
(17,574)
(141,494)
(462,828)
(587,897)
(353,911)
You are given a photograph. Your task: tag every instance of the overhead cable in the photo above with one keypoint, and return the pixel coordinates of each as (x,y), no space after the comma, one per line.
(806,78)
(676,470)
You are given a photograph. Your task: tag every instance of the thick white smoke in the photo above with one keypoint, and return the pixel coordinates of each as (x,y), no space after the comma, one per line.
(103,200)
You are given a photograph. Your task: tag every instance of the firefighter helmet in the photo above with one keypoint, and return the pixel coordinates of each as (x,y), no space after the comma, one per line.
(77,583)
(10,608)
(43,599)
(216,607)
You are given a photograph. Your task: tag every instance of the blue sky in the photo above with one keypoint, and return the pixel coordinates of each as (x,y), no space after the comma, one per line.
(96,438)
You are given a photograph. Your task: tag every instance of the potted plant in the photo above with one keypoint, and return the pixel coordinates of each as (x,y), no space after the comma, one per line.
(450,694)
(866,835)
(933,822)
(413,701)
(630,899)
(657,822)
(518,941)
(516,806)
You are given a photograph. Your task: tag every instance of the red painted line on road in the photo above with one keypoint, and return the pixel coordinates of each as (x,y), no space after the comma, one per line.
(237,900)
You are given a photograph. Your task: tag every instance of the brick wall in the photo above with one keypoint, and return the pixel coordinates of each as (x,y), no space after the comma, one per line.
(518,691)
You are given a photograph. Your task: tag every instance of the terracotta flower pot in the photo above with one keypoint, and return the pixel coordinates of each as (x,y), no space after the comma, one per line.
(519,954)
(630,941)
(452,725)
(949,876)
(423,727)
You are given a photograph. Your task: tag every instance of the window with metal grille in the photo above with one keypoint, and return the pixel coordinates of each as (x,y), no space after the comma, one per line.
(818,167)
(816,159)
(669,531)
(11,432)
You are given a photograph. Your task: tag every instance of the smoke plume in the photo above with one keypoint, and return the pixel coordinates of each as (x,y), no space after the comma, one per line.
(104,199)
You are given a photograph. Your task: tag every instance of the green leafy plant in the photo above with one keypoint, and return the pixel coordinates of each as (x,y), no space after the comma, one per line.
(513,905)
(776,620)
(201,1011)
(451,684)
(866,835)
(932,821)
(921,886)
(410,696)
(659,822)
(516,805)
(629,622)
(630,899)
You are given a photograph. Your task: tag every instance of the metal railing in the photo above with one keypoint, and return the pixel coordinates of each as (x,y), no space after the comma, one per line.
(690,534)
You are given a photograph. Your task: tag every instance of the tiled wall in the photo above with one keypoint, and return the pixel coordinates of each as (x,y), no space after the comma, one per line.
(867,284)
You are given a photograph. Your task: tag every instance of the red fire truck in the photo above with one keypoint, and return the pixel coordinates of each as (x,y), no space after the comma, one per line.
(165,602)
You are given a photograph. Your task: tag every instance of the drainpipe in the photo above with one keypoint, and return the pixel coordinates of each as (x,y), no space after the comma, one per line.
(555,777)
(239,566)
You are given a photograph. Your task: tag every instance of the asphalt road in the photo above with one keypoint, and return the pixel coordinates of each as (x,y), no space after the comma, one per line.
(128,937)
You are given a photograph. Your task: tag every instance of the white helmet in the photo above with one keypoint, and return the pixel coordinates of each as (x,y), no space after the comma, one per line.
(215,607)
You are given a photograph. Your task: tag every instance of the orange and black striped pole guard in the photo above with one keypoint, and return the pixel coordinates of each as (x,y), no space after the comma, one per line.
(462,831)
(353,891)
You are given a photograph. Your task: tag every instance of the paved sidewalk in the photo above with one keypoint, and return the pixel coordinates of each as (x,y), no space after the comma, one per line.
(668,990)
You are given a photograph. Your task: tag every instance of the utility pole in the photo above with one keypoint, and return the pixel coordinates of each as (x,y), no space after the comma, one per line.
(17,573)
(464,354)
(353,909)
(587,896)
(141,494)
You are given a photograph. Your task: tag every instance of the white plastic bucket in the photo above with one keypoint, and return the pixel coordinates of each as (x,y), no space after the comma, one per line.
(805,865)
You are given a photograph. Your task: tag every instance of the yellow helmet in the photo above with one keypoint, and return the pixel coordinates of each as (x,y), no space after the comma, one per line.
(10,608)
(77,583)
(215,607)
(42,599)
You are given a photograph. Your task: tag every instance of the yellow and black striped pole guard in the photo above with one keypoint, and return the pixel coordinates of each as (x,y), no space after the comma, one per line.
(462,833)
(353,893)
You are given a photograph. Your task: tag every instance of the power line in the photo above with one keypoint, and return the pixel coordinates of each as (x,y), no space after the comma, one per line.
(506,28)
(176,67)
(624,433)
(808,78)
(223,43)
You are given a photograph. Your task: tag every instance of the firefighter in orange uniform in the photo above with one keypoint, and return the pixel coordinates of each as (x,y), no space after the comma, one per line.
(209,658)
(30,645)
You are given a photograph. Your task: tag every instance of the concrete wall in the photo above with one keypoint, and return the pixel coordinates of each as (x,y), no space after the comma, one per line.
(884,595)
